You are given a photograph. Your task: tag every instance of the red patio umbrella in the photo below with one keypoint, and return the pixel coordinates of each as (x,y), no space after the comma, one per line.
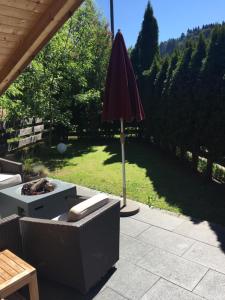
(121,100)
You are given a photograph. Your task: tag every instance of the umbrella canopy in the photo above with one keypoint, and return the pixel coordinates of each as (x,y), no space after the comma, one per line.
(121,100)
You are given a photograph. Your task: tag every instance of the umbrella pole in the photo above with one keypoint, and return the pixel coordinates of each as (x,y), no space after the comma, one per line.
(122,140)
(112,18)
(128,207)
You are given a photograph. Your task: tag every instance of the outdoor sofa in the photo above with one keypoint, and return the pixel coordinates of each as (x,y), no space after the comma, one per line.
(11,173)
(77,254)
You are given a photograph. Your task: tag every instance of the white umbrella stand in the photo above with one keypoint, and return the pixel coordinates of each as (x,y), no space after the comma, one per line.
(128,207)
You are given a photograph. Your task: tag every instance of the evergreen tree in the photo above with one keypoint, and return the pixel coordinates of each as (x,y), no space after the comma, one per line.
(146,46)
(172,66)
(157,116)
(195,68)
(179,118)
(166,101)
(212,105)
(147,94)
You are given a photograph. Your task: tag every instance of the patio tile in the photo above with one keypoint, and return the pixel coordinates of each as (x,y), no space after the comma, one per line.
(108,294)
(132,227)
(212,286)
(165,290)
(158,218)
(204,231)
(206,255)
(131,281)
(174,268)
(132,249)
(166,240)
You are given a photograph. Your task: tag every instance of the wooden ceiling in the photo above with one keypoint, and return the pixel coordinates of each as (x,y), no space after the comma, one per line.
(25,27)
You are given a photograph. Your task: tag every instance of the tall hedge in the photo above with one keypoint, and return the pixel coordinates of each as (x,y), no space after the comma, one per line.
(184,99)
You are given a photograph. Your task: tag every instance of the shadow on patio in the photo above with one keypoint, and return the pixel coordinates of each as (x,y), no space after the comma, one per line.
(177,184)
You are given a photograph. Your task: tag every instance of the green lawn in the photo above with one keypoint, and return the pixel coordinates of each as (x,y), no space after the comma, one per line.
(152,177)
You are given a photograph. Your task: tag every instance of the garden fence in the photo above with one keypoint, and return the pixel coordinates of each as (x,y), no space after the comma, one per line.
(20,133)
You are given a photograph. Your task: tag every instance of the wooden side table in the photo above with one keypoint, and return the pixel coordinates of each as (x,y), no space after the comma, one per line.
(16,273)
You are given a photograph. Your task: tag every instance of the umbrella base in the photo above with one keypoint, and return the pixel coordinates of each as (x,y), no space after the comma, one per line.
(132,208)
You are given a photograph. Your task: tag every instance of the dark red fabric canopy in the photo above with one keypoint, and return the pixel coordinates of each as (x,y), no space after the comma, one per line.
(121,99)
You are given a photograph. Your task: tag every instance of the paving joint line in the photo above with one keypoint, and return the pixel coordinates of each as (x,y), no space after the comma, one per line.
(152,285)
(197,240)
(158,248)
(197,263)
(194,242)
(180,234)
(181,287)
(150,226)
(108,287)
(200,280)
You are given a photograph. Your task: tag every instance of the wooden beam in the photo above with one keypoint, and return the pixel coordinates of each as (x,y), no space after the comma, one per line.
(8,37)
(12,29)
(55,16)
(3,56)
(17,12)
(15,21)
(47,2)
(4,51)
(7,44)
(26,5)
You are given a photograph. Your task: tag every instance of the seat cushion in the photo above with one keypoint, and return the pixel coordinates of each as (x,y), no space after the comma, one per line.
(8,180)
(86,207)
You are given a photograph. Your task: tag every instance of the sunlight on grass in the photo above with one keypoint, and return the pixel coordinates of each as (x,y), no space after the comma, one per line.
(93,171)
(90,170)
(153,177)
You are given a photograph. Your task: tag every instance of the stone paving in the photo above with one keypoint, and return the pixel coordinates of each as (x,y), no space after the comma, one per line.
(162,257)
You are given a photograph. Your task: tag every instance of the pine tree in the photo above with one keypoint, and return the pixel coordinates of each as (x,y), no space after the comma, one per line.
(146,46)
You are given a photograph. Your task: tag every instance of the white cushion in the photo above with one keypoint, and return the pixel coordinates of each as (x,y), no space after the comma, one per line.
(86,207)
(5,176)
(62,217)
(8,180)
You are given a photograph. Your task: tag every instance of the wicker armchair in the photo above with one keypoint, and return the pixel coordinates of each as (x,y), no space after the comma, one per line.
(76,254)
(12,167)
(10,237)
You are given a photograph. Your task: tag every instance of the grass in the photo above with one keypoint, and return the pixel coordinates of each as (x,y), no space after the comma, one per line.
(153,177)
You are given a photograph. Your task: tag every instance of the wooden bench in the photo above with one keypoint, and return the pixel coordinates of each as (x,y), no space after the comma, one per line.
(16,273)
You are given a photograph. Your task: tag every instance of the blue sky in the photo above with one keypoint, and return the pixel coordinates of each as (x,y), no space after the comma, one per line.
(173,16)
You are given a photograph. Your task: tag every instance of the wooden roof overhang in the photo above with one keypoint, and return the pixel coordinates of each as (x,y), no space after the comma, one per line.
(25,27)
